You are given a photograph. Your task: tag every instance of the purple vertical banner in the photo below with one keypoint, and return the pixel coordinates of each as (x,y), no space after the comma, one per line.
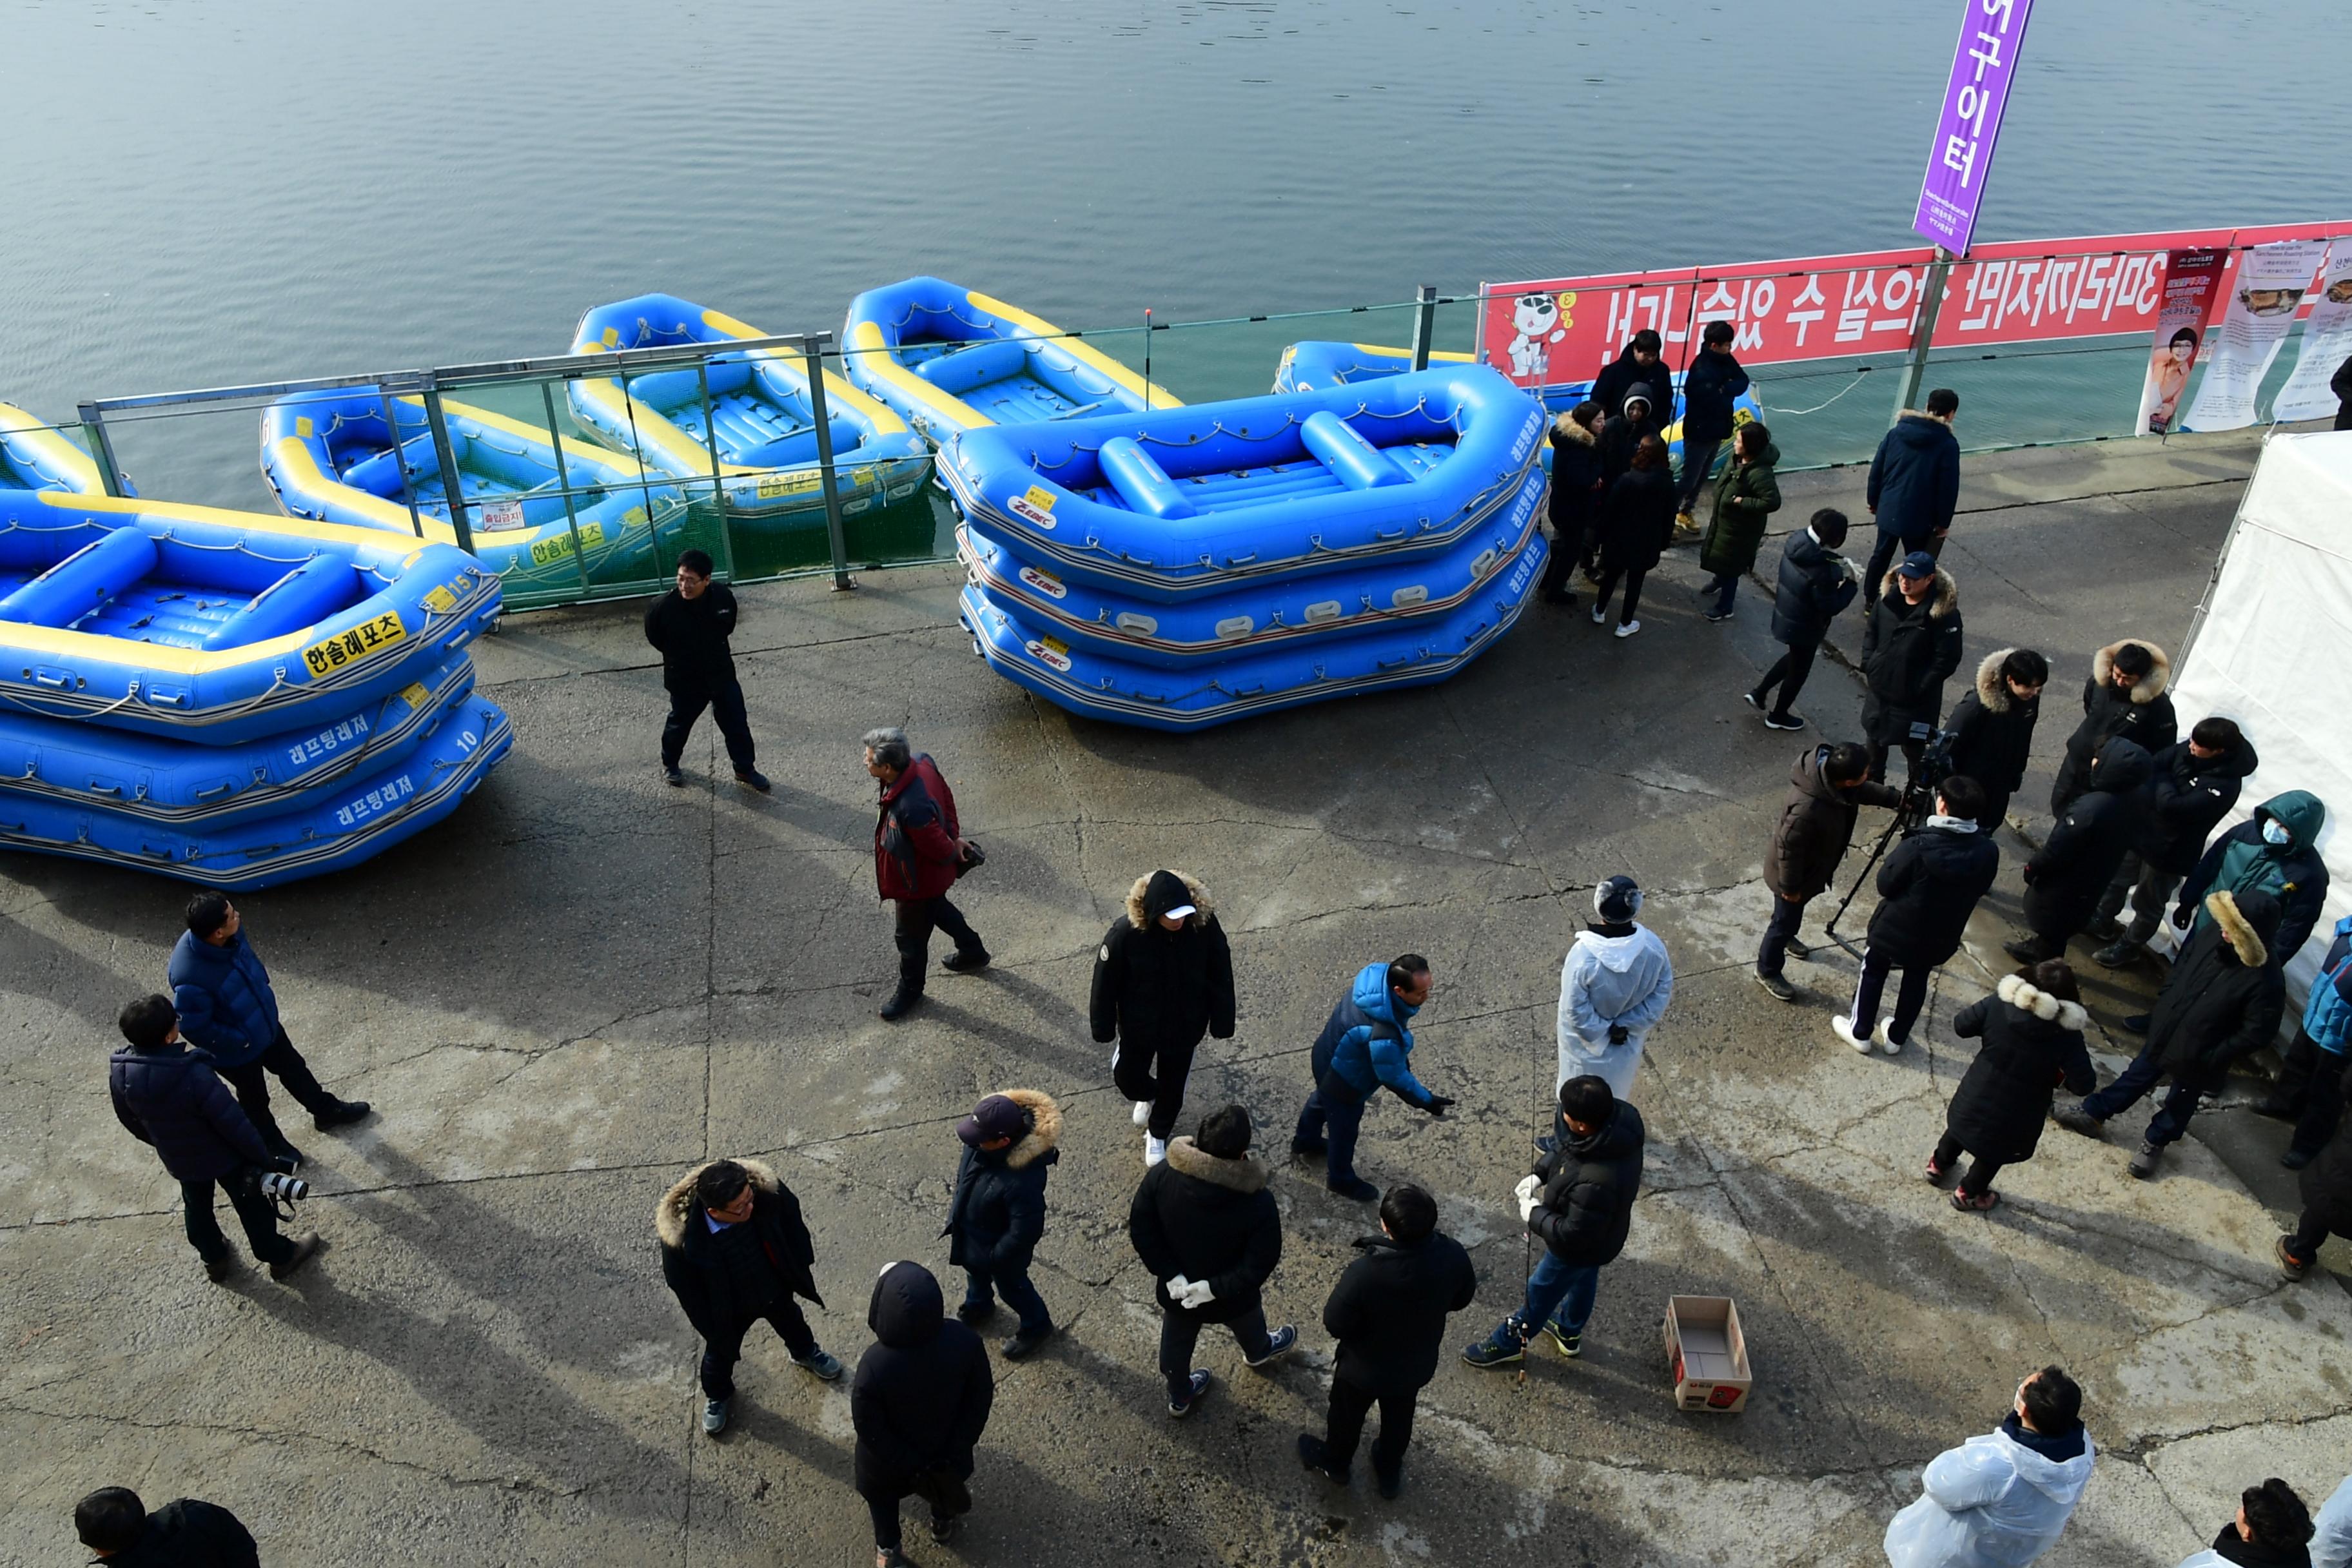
(1991,33)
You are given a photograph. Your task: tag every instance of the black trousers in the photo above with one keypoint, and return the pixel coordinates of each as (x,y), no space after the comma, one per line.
(915,919)
(948,1496)
(1796,662)
(1609,576)
(1912,752)
(1180,1332)
(1568,550)
(2311,1082)
(720,1353)
(1910,995)
(2310,1235)
(1882,555)
(1350,1402)
(252,1088)
(1980,1171)
(254,1211)
(726,705)
(1156,1074)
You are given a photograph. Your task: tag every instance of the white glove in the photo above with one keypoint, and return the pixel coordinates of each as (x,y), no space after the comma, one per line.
(1198,1295)
(1177,1286)
(1526,1193)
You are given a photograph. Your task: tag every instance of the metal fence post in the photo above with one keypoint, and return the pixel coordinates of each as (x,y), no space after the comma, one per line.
(717,482)
(1424,323)
(400,456)
(814,363)
(1931,300)
(452,482)
(102,447)
(563,483)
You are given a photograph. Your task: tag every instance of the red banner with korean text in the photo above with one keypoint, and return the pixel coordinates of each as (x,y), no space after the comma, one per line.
(1561,330)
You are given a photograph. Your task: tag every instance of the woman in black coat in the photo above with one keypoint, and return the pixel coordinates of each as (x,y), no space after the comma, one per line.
(2326,1200)
(2033,1030)
(1575,496)
(1992,727)
(919,1403)
(1635,522)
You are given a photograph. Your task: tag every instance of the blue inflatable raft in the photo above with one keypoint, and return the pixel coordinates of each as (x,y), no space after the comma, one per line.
(1315,364)
(330,457)
(1192,503)
(948,358)
(38,456)
(344,821)
(193,623)
(758,417)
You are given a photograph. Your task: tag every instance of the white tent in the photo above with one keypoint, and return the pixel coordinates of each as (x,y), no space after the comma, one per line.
(2272,648)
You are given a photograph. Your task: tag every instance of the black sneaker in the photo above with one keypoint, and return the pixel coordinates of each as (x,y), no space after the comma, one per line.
(752,778)
(1778,989)
(975,1312)
(1181,1405)
(1790,720)
(2295,1159)
(902,1002)
(219,1270)
(1796,949)
(1317,1458)
(2075,1119)
(673,776)
(341,1114)
(1020,1344)
(1354,1188)
(1388,1483)
(2137,1022)
(1308,1148)
(943,1527)
(1726,614)
(1754,699)
(962,962)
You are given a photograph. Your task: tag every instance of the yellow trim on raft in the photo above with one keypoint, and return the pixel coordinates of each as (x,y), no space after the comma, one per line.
(1435,355)
(63,644)
(303,474)
(59,452)
(877,360)
(1083,350)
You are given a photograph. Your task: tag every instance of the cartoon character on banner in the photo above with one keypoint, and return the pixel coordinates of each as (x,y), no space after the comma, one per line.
(1541,319)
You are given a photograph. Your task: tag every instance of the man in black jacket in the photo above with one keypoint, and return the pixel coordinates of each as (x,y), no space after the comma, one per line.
(997,1213)
(734,1250)
(1915,483)
(918,1404)
(2222,1000)
(690,625)
(1388,1313)
(112,1522)
(2190,788)
(1910,645)
(167,1096)
(1828,788)
(1710,387)
(1636,365)
(1580,1203)
(1207,1228)
(2065,878)
(2124,696)
(1814,584)
(1991,727)
(1163,978)
(1927,887)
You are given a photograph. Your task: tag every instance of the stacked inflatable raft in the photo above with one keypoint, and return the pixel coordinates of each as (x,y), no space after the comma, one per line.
(1180,568)
(235,700)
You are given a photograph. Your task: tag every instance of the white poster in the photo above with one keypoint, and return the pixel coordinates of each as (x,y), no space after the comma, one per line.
(2270,283)
(2326,341)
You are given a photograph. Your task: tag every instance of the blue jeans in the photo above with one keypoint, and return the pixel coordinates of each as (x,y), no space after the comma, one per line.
(1343,1117)
(1698,462)
(1788,914)
(1723,585)
(1012,1282)
(1559,1290)
(2172,1117)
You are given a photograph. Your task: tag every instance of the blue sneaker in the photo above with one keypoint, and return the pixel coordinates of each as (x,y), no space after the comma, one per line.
(1278,1344)
(1195,1391)
(1500,1348)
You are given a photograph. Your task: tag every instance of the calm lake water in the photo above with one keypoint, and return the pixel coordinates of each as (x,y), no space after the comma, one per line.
(204,193)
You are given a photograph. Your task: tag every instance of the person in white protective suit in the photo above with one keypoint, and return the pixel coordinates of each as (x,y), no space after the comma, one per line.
(1614,988)
(2001,1500)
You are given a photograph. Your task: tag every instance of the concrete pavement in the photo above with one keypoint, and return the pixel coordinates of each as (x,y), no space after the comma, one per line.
(587,981)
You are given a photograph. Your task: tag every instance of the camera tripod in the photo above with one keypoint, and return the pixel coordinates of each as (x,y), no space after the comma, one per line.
(1917,801)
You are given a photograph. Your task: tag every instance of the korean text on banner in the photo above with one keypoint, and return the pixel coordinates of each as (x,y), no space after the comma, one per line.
(2190,278)
(1983,65)
(2326,342)
(2270,283)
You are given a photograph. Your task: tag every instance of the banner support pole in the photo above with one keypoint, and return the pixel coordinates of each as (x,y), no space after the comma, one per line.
(1931,301)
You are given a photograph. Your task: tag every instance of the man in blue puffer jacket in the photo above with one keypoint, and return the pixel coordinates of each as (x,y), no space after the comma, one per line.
(227,1010)
(2310,1092)
(1363,1047)
(167,1097)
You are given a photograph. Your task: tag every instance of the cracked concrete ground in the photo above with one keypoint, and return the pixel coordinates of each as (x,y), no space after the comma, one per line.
(586,982)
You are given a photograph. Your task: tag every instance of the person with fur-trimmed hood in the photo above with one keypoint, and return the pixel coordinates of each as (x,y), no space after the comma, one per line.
(1910,645)
(2193,785)
(1575,498)
(734,1250)
(2031,1027)
(2124,696)
(1163,978)
(1992,727)
(1207,1227)
(2222,1000)
(997,1212)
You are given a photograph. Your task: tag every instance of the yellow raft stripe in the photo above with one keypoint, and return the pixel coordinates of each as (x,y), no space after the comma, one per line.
(651,426)
(1085,351)
(616,469)
(839,393)
(1435,355)
(877,360)
(56,451)
(18,635)
(314,486)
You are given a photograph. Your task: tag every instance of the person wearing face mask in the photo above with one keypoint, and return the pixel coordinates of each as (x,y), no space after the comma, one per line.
(1992,727)
(2002,1499)
(2276,853)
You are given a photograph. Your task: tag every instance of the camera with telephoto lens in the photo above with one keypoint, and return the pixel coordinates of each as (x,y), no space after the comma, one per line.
(1927,778)
(279,1188)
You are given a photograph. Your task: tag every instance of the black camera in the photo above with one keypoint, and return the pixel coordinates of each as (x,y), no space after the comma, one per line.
(279,1188)
(1926,779)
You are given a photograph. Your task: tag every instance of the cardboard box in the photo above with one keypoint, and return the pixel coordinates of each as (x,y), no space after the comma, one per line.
(1709,1354)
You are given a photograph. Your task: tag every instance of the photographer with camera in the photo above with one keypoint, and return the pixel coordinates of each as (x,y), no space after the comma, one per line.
(2067,876)
(1927,888)
(1829,788)
(1910,647)
(1991,727)
(168,1096)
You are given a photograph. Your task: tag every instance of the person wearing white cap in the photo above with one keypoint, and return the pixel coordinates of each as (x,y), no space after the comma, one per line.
(1614,988)
(1163,978)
